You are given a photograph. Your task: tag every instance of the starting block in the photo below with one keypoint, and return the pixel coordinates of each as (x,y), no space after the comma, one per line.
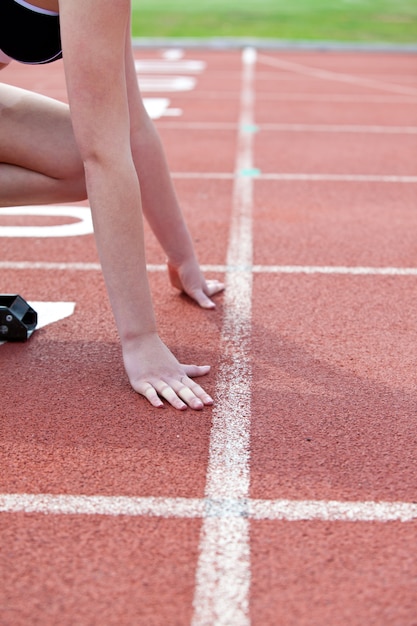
(17,319)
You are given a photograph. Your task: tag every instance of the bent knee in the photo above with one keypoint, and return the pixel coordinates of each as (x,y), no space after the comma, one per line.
(74,189)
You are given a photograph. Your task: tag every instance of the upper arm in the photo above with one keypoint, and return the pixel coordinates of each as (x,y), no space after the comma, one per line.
(93,34)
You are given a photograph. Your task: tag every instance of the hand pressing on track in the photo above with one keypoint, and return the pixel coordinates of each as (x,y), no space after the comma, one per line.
(155,373)
(189,279)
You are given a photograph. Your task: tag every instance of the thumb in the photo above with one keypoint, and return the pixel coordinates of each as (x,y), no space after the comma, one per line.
(202,299)
(196,370)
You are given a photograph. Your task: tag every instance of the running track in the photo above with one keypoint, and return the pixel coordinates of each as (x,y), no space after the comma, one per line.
(293,501)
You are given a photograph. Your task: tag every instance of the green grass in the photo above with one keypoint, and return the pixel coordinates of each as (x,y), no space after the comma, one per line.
(365,21)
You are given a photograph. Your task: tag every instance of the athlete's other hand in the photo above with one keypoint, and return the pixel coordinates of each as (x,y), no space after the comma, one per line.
(188,278)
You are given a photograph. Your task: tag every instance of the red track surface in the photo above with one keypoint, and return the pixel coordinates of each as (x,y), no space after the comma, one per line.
(326,157)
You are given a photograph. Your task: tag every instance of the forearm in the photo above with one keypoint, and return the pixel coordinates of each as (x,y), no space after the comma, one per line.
(116,208)
(160,204)
(164,215)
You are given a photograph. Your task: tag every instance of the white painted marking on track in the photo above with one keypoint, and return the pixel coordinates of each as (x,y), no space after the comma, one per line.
(170,84)
(315,72)
(255,509)
(173,54)
(159,107)
(296,128)
(223,572)
(334,269)
(332,510)
(341,128)
(50,312)
(300,96)
(101,505)
(335,98)
(49,265)
(256,269)
(345,178)
(84,225)
(169,66)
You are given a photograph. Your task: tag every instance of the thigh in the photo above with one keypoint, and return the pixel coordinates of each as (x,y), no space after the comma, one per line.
(36,133)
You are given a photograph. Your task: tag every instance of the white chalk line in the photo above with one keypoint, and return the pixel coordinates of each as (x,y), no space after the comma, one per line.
(224,269)
(333,269)
(296,128)
(338,98)
(399,79)
(300,96)
(296,176)
(315,72)
(208,508)
(223,571)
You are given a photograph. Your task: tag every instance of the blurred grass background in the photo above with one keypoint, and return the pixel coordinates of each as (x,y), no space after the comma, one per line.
(364,21)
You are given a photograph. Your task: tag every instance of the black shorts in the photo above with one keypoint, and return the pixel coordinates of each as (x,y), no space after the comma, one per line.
(28,36)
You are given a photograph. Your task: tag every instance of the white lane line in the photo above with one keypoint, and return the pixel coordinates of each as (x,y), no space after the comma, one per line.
(256,269)
(340,128)
(315,72)
(335,98)
(46,265)
(223,572)
(342,98)
(66,266)
(332,511)
(345,178)
(402,78)
(333,269)
(305,97)
(254,509)
(296,128)
(101,505)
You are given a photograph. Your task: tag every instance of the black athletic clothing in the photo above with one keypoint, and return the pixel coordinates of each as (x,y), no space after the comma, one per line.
(28,36)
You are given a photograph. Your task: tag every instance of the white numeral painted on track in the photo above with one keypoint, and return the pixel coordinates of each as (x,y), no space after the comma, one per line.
(164,66)
(83,225)
(166,83)
(159,107)
(171,74)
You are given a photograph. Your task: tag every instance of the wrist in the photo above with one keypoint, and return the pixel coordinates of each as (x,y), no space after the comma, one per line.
(181,257)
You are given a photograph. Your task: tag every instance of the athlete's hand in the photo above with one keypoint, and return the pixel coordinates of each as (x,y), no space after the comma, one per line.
(155,373)
(188,278)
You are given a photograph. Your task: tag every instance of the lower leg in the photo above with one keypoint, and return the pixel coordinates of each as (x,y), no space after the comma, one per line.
(20,186)
(39,159)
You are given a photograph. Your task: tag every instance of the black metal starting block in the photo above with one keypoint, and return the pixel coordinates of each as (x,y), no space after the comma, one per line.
(17,319)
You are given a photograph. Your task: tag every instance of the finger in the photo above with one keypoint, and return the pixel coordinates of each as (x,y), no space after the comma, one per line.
(213,287)
(196,370)
(192,393)
(200,393)
(202,299)
(167,392)
(190,398)
(150,394)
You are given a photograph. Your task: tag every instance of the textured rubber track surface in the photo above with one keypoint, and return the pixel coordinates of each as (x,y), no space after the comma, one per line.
(293,501)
